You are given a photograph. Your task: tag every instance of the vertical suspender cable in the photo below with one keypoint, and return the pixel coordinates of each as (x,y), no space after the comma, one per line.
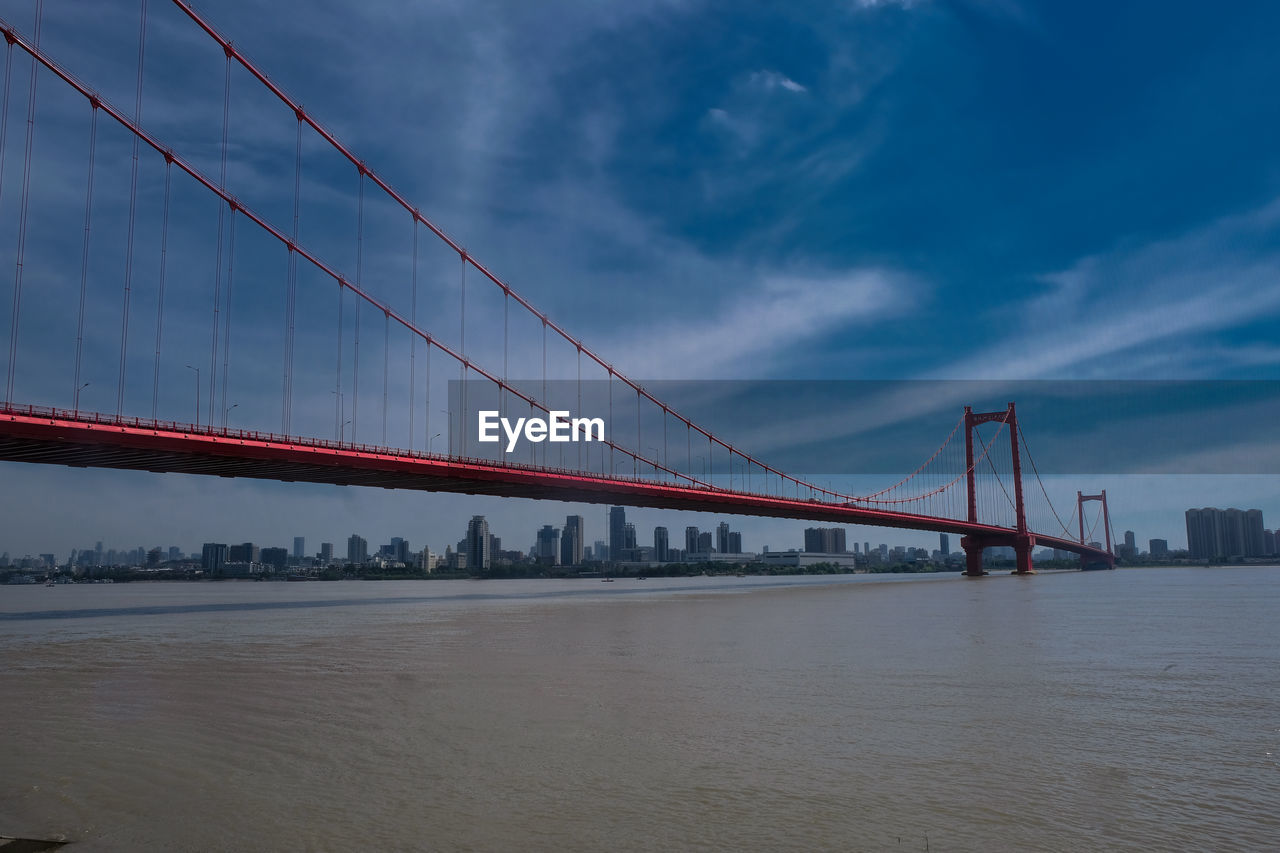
(222,212)
(462,368)
(226,329)
(164,247)
(426,416)
(4,108)
(133,206)
(291,298)
(386,365)
(413,339)
(84,252)
(355,365)
(338,412)
(22,216)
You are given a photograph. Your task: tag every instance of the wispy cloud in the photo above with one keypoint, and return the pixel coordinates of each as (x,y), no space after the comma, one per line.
(755,327)
(1131,313)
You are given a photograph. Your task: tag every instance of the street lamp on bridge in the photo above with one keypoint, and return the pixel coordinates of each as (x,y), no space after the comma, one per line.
(86,385)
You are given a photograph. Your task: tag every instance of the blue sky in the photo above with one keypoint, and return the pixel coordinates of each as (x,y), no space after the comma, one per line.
(862,190)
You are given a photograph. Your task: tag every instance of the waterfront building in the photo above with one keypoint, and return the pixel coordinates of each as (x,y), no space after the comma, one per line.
(476,545)
(571,541)
(547,549)
(660,549)
(824,540)
(617,531)
(357,549)
(213,557)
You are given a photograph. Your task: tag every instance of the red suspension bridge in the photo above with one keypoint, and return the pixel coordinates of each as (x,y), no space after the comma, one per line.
(161,228)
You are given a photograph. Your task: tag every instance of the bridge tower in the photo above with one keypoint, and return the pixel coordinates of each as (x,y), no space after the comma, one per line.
(1021,539)
(1106,524)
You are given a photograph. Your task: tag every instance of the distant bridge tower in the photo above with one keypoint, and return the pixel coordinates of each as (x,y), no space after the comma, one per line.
(1106,524)
(1020,538)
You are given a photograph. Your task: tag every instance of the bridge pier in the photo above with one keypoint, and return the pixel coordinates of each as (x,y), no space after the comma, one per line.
(1022,545)
(973,546)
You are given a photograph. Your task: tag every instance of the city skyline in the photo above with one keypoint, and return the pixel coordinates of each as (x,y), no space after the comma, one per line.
(1209,536)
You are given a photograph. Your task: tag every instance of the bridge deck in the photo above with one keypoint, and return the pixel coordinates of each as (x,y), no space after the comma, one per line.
(30,434)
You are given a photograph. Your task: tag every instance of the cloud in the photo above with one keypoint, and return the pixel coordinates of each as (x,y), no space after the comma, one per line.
(752,331)
(1139,312)
(772,80)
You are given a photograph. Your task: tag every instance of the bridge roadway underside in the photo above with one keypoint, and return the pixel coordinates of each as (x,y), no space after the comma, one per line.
(93,441)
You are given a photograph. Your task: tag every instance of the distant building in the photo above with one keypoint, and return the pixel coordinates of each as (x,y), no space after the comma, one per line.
(246,552)
(213,556)
(571,541)
(735,542)
(705,544)
(1214,533)
(299,547)
(944,544)
(278,558)
(357,549)
(617,532)
(547,550)
(477,553)
(1158,547)
(326,553)
(660,549)
(722,537)
(824,540)
(691,539)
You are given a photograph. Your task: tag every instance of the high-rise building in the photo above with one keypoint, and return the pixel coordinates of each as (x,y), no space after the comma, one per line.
(1224,533)
(617,531)
(944,544)
(1254,538)
(399,550)
(691,539)
(722,537)
(479,558)
(1158,547)
(660,548)
(299,547)
(571,541)
(277,558)
(704,543)
(212,557)
(326,553)
(600,550)
(824,540)
(1130,541)
(547,550)
(735,542)
(1268,542)
(357,549)
(246,552)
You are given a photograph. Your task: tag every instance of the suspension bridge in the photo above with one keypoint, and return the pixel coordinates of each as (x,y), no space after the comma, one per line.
(160,244)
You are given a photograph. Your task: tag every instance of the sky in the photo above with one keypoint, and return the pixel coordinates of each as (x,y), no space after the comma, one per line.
(889,191)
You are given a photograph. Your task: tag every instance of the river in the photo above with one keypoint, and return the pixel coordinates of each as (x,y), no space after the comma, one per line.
(1129,710)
